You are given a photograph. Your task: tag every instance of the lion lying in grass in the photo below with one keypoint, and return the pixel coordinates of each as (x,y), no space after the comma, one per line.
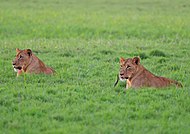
(138,76)
(25,61)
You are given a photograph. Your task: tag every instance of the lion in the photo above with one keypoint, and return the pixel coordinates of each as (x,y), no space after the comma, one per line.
(137,76)
(26,62)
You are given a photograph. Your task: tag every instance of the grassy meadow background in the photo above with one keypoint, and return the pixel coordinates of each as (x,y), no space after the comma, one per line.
(83,41)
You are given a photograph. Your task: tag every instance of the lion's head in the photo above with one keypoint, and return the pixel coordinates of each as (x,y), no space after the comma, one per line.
(22,59)
(128,67)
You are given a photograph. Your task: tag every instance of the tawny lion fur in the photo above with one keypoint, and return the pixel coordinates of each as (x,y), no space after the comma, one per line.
(136,75)
(26,62)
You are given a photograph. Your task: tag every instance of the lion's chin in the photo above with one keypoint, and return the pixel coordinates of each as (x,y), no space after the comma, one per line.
(122,79)
(17,69)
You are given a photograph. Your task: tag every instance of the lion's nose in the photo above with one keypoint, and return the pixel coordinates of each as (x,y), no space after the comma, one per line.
(14,63)
(121,73)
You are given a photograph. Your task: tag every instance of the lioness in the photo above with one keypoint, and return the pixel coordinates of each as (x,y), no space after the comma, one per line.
(137,75)
(26,61)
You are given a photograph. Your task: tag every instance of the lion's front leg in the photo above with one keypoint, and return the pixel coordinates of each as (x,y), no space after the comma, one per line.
(128,84)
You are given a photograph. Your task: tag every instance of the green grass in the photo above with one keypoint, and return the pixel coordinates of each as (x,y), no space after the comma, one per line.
(83,41)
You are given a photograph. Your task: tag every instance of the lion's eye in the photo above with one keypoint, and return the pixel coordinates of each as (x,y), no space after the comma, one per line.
(128,67)
(20,56)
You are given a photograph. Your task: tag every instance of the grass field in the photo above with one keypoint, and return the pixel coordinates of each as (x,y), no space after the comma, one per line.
(83,41)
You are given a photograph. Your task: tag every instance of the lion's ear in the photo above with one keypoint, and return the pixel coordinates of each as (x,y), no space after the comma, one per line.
(136,60)
(122,60)
(17,50)
(29,52)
